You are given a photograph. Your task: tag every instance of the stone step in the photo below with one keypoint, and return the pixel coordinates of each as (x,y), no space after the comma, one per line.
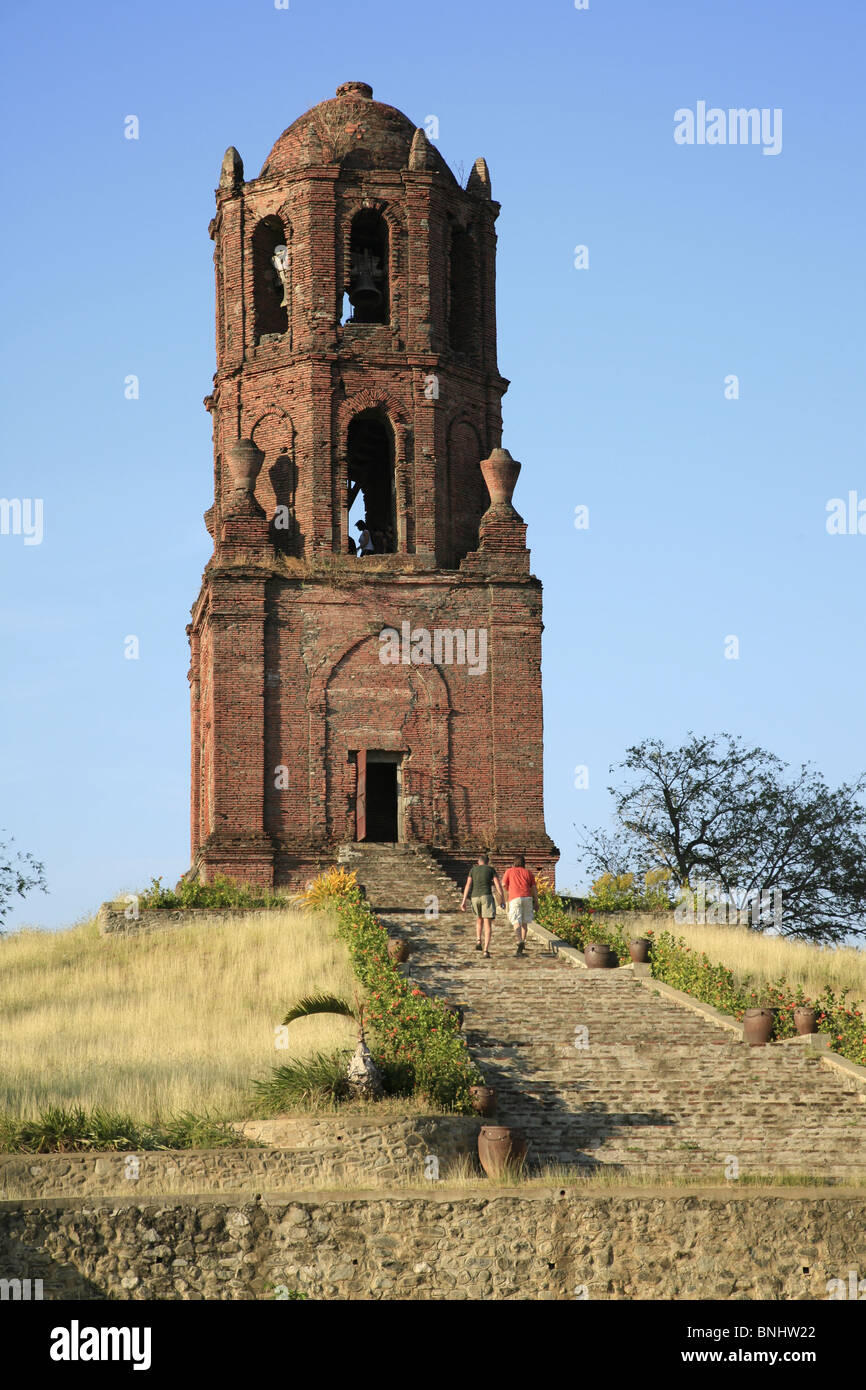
(658,1086)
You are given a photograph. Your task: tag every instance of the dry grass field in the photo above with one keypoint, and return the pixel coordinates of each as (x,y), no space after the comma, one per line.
(766,958)
(175,1020)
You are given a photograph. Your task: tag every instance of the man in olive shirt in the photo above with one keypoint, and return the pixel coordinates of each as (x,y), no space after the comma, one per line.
(482,883)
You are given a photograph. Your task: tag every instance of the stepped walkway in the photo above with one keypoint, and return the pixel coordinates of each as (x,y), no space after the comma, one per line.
(650,1085)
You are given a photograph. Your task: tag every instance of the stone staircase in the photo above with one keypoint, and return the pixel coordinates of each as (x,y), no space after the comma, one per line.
(400,878)
(600,1071)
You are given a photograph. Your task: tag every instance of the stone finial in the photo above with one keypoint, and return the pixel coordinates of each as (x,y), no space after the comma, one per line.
(355,89)
(422,154)
(244,461)
(500,472)
(479,179)
(232,171)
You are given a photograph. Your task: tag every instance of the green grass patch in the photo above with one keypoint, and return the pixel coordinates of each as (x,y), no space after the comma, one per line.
(60,1129)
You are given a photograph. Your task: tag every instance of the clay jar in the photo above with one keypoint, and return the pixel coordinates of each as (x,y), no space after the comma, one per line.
(639,950)
(758,1026)
(483,1099)
(805,1020)
(398,949)
(599,955)
(500,1149)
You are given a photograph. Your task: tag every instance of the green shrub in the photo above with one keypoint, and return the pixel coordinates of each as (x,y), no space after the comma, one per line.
(676,963)
(579,928)
(316,1080)
(220,892)
(416,1041)
(623,893)
(59,1129)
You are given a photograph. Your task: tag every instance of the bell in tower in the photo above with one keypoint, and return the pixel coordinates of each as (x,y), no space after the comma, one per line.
(367,260)
(307,733)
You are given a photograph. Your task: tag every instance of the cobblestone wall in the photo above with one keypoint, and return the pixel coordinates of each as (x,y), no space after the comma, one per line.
(658,1245)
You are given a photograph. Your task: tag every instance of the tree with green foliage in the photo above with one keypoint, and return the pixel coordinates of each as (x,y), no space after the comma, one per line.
(717,811)
(19,873)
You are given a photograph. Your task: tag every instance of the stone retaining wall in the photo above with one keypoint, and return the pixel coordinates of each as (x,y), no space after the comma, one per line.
(655,1245)
(308,1148)
(111,917)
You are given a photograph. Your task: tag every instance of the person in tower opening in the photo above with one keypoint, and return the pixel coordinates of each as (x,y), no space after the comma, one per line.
(481,885)
(365,540)
(521,891)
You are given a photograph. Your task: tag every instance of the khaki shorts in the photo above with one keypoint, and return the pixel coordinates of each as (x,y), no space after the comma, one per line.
(484,907)
(520,912)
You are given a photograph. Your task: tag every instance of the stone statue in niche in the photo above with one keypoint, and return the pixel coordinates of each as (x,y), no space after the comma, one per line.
(280,262)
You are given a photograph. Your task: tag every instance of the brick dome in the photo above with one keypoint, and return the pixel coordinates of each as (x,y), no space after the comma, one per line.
(350,129)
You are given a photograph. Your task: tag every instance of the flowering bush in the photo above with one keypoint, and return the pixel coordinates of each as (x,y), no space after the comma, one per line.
(676,963)
(415,1038)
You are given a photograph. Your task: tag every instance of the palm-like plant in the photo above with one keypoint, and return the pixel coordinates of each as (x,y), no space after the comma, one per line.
(363,1076)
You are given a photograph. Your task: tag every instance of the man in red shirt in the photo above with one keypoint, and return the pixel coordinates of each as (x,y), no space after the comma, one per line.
(521,893)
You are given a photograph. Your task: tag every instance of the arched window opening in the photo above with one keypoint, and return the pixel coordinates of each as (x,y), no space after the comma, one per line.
(463,305)
(368,268)
(272,278)
(371,493)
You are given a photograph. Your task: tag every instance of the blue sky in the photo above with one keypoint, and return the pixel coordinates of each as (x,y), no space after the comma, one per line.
(706,515)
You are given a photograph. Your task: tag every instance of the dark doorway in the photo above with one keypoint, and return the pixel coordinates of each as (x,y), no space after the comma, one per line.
(382,802)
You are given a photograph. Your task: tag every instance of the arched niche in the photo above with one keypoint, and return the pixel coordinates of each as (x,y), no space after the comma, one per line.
(464,298)
(467,496)
(272,277)
(277,482)
(371,476)
(368,286)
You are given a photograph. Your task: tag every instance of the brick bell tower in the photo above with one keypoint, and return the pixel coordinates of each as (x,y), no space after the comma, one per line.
(394,696)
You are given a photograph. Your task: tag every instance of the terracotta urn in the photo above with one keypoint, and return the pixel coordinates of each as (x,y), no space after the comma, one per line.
(805,1019)
(639,950)
(483,1100)
(599,955)
(398,949)
(500,472)
(758,1026)
(501,1149)
(244,461)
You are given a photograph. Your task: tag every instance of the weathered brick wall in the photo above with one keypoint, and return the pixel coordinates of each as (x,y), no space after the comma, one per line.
(652,1245)
(294,394)
(285,670)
